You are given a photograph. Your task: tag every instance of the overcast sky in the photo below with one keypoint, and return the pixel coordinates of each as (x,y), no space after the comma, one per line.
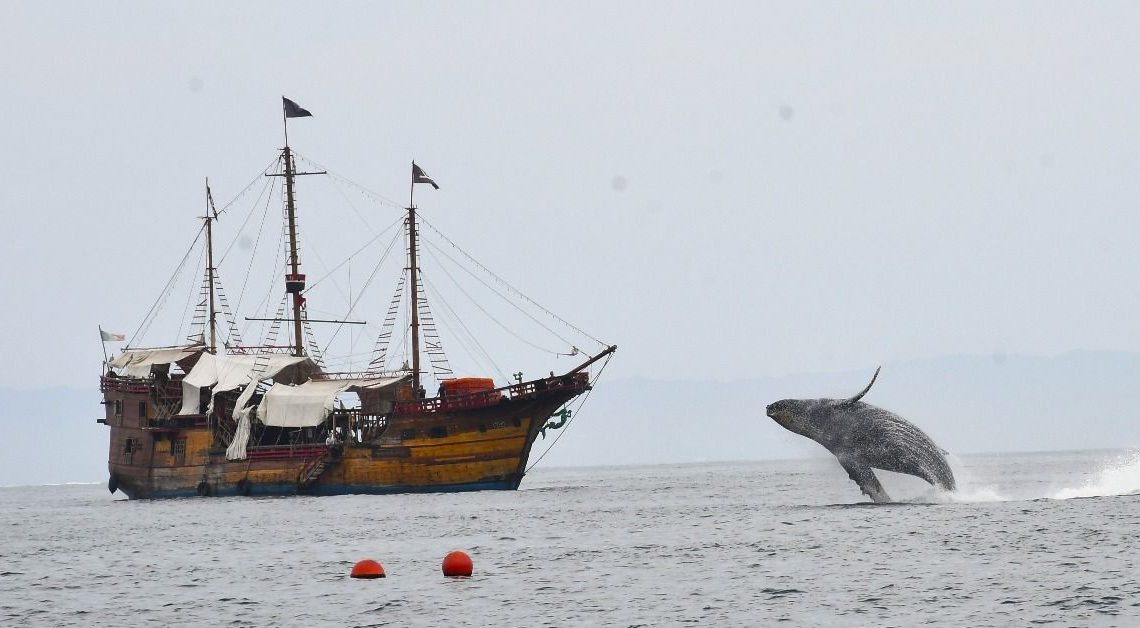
(723,190)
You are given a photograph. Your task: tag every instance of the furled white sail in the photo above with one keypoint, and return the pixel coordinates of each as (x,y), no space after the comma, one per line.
(309,404)
(137,362)
(236,450)
(228,372)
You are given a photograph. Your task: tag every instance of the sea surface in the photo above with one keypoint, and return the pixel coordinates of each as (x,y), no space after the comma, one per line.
(1051,538)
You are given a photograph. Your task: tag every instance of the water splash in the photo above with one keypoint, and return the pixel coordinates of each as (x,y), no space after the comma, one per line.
(971,489)
(1119,478)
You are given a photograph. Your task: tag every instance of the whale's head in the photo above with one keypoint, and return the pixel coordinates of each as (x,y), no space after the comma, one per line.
(796,415)
(811,417)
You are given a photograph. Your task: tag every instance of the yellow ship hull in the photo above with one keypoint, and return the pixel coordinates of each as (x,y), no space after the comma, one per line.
(425,447)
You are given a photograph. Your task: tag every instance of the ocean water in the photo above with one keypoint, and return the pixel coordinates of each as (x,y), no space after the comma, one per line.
(1029,539)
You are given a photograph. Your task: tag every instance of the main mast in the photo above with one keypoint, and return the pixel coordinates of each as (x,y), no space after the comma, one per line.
(294,281)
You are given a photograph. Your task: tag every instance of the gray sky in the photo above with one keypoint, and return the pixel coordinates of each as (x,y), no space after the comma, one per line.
(724,190)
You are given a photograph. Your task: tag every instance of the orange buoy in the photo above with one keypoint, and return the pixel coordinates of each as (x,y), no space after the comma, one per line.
(457,564)
(368,568)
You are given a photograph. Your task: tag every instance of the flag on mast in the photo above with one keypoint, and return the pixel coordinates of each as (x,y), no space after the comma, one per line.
(419,176)
(108,336)
(293,110)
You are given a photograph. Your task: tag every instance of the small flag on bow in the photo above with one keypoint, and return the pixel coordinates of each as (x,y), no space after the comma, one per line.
(419,176)
(293,110)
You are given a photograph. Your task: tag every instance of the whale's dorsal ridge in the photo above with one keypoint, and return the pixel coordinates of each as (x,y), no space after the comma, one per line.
(864,391)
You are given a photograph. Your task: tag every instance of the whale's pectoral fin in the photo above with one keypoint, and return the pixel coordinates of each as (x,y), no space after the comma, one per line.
(861,473)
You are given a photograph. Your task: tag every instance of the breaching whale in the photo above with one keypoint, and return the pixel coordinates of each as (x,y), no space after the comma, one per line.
(864,437)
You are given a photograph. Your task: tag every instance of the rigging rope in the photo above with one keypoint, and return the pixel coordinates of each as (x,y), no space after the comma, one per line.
(256,178)
(264,189)
(186,308)
(355,253)
(451,312)
(502,296)
(573,415)
(363,289)
(148,319)
(384,339)
(256,243)
(490,316)
(279,263)
(301,245)
(509,286)
(380,198)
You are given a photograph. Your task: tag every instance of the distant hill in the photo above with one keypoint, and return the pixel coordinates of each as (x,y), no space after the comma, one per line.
(968,404)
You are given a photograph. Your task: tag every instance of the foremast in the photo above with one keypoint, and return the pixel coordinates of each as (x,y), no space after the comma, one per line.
(211,271)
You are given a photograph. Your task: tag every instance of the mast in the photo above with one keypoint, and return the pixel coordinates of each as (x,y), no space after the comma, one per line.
(413,270)
(418,176)
(211,274)
(294,281)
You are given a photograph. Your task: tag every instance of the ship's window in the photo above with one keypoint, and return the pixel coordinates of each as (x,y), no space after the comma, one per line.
(129,446)
(406,434)
(482,427)
(118,407)
(142,409)
(178,450)
(439,431)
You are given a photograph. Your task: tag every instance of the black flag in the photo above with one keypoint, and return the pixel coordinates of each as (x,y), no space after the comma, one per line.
(419,176)
(293,110)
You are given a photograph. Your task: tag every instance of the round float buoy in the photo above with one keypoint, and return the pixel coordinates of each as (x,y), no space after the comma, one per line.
(457,564)
(203,489)
(244,487)
(368,568)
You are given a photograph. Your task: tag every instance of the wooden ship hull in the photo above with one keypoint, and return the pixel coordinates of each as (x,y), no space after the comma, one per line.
(468,443)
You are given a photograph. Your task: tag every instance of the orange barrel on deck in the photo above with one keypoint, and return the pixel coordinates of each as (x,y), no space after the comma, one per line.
(467,385)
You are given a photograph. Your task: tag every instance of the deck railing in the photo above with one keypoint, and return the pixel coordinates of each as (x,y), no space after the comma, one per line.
(576,382)
(136,385)
(169,389)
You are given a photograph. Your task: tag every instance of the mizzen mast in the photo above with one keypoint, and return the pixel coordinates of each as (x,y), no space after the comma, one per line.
(418,176)
(415,293)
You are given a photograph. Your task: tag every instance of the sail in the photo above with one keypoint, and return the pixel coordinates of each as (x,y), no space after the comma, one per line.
(229,372)
(309,404)
(137,362)
(236,450)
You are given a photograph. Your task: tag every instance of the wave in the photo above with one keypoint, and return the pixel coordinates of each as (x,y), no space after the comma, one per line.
(1118,476)
(96,483)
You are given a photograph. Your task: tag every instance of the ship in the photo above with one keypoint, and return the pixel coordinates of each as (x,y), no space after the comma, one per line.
(215,416)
